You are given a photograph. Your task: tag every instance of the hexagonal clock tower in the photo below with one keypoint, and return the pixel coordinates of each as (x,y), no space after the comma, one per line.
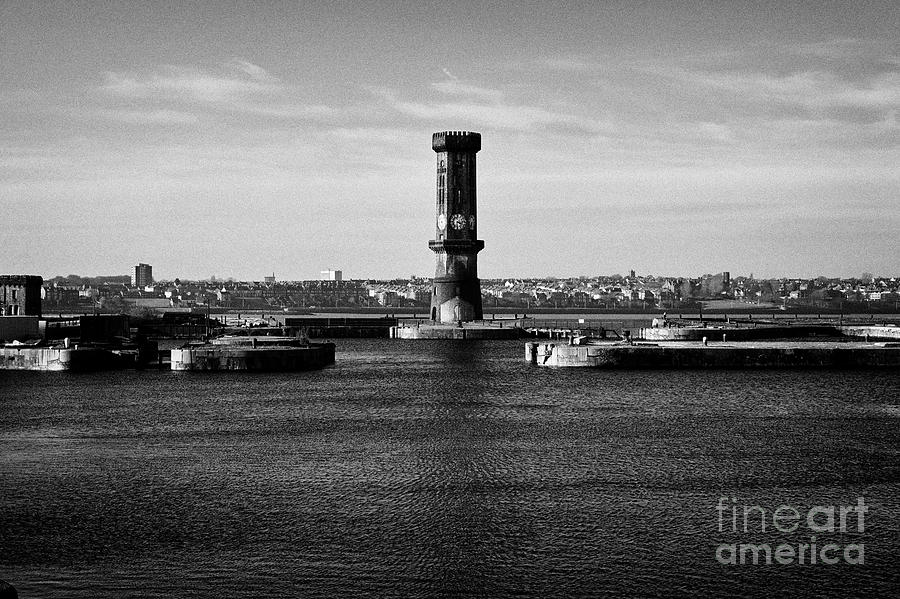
(456,291)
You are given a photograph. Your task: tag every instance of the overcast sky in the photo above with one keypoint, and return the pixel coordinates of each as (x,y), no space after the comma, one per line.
(240,140)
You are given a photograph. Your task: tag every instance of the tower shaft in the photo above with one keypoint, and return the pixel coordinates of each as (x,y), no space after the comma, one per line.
(456,291)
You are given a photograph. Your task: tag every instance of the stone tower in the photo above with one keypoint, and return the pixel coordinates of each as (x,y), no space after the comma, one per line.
(456,292)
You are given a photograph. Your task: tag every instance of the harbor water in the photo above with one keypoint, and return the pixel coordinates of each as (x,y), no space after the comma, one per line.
(422,469)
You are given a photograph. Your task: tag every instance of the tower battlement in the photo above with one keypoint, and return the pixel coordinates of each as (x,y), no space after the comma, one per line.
(456,141)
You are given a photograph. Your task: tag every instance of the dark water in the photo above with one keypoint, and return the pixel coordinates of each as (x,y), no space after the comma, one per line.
(428,469)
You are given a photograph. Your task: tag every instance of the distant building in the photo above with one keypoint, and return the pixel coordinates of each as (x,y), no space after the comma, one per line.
(269,280)
(143,275)
(332,275)
(20,295)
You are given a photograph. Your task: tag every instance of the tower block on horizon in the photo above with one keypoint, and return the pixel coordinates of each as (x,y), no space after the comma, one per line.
(456,291)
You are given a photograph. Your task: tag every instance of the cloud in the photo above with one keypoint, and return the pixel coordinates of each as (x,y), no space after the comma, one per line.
(184,83)
(254,71)
(499,115)
(370,135)
(705,132)
(488,108)
(844,48)
(827,75)
(813,89)
(288,110)
(239,86)
(455,87)
(569,64)
(146,117)
(818,133)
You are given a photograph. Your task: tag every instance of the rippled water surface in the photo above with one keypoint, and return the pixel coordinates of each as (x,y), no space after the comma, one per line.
(430,469)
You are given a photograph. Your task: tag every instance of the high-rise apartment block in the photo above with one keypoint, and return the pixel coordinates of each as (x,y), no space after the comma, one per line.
(143,275)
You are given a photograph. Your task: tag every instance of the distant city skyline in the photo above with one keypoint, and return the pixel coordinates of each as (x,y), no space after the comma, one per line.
(237,140)
(337,275)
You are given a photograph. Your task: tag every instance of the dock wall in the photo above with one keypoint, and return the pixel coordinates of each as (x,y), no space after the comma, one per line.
(872,332)
(737,333)
(837,355)
(339,328)
(439,332)
(262,359)
(734,333)
(19,328)
(50,358)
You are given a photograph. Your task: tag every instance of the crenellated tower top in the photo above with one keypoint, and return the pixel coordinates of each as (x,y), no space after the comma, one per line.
(456,141)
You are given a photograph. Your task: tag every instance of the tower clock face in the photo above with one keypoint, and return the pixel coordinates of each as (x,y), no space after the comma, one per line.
(442,221)
(459,222)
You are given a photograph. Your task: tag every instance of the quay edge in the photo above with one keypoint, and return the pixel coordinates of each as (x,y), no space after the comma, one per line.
(453,332)
(239,357)
(82,359)
(716,355)
(754,333)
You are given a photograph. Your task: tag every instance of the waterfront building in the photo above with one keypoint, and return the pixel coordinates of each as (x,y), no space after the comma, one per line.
(456,291)
(20,295)
(331,275)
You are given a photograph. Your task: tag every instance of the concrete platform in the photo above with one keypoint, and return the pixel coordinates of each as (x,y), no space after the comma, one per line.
(59,358)
(736,333)
(686,354)
(253,356)
(447,331)
(871,331)
(767,331)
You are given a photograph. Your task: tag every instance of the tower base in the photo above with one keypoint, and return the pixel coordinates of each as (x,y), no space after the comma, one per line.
(455,300)
(455,332)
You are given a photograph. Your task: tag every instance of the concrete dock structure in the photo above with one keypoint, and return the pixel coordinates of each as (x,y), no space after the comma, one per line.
(257,354)
(687,354)
(465,331)
(78,359)
(871,332)
(733,332)
(324,327)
